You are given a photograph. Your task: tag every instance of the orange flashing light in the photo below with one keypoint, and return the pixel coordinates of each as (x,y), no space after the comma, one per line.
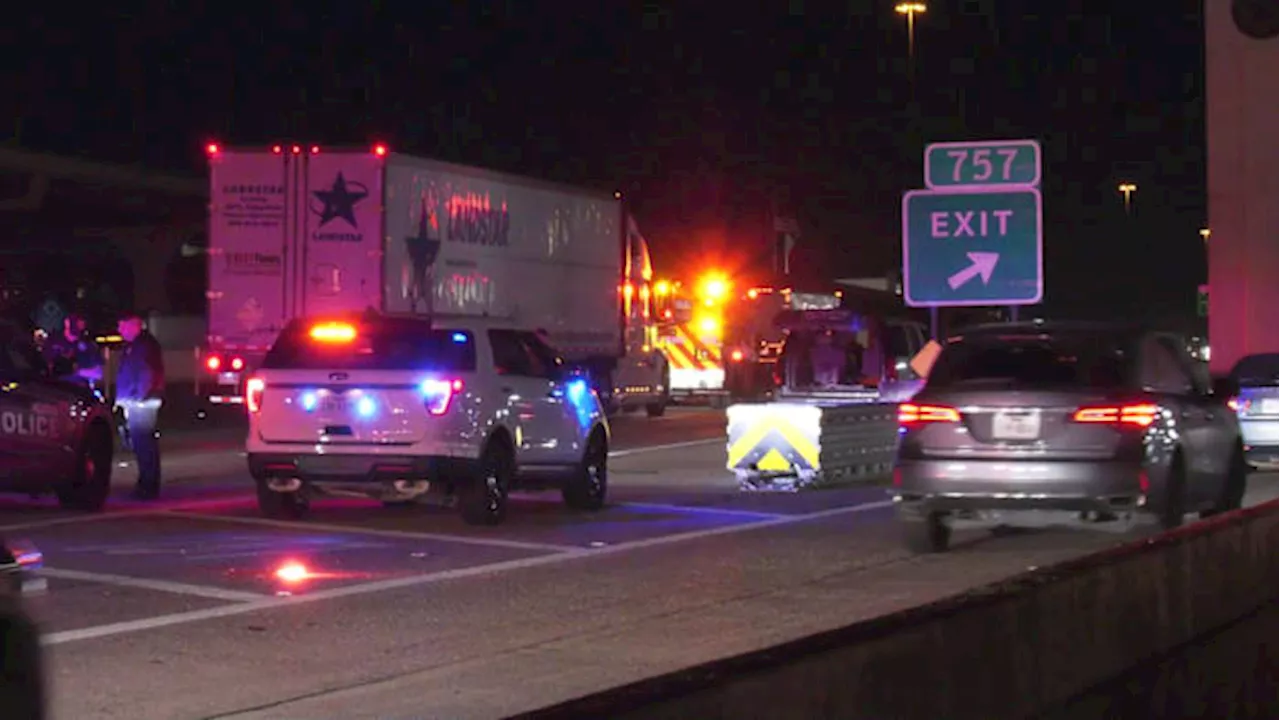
(333,333)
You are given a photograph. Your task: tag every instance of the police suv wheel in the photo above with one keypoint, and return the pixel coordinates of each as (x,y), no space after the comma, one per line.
(281,505)
(90,481)
(587,487)
(483,498)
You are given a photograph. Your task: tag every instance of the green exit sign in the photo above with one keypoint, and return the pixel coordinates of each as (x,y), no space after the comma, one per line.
(983,163)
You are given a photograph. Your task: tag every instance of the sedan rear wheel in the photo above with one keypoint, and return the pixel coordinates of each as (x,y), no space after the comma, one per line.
(926,534)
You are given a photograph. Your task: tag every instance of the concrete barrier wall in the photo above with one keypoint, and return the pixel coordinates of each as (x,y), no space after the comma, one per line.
(1229,672)
(1053,640)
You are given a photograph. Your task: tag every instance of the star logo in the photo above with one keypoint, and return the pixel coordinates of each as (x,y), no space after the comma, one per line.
(340,201)
(423,250)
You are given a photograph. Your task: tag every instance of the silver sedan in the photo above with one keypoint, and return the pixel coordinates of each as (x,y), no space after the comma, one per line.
(1098,422)
(1257,404)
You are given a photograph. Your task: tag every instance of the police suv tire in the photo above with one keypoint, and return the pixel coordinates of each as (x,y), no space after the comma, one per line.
(588,485)
(22,681)
(90,482)
(280,505)
(483,498)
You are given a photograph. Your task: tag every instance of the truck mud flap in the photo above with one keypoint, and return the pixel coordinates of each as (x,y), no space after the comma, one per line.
(786,447)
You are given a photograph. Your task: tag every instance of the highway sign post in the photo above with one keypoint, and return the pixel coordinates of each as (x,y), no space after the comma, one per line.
(975,237)
(988,163)
(964,249)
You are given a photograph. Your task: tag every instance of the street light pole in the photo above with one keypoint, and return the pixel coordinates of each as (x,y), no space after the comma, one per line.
(1127,189)
(910,9)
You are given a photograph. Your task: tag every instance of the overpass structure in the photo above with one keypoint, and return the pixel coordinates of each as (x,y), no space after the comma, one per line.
(77,212)
(1241,114)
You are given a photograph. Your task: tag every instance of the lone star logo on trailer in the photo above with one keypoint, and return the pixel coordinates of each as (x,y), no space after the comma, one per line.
(340,201)
(423,250)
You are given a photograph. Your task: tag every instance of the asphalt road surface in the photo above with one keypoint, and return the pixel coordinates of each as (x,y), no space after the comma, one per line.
(175,610)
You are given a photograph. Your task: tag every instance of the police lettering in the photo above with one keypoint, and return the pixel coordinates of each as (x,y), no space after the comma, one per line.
(27,424)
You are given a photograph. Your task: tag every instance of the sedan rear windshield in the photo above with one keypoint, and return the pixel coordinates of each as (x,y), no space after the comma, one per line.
(376,346)
(1258,370)
(1034,360)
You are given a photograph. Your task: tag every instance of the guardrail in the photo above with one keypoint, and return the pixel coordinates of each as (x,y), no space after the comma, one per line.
(789,446)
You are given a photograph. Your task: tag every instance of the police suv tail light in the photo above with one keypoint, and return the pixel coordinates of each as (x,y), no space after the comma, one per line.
(253,394)
(237,364)
(437,395)
(213,363)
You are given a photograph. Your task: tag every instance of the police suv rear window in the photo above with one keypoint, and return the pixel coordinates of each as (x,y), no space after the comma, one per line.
(381,345)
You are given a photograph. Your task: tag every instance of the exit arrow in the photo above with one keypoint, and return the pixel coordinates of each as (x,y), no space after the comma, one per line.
(980,263)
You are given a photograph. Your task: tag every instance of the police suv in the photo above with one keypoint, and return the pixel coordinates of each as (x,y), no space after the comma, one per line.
(55,435)
(402,408)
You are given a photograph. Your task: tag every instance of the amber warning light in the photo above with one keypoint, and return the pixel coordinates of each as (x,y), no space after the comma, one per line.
(333,333)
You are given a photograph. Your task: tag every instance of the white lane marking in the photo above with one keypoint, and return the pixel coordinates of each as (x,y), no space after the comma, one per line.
(176,588)
(668,446)
(700,509)
(183,618)
(305,525)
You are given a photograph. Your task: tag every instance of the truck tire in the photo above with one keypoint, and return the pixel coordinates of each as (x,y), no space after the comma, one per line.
(90,483)
(483,498)
(659,408)
(588,486)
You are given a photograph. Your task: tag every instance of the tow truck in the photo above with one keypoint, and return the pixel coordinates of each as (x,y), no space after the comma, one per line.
(840,375)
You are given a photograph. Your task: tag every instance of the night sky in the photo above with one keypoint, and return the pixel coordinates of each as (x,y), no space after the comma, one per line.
(704,114)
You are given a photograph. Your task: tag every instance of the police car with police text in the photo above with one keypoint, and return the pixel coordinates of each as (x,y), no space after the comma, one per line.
(401,408)
(55,435)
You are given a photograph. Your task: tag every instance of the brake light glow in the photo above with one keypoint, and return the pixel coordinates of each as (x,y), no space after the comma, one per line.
(212,148)
(253,394)
(237,363)
(1238,405)
(333,333)
(912,414)
(380,150)
(438,394)
(736,356)
(1139,415)
(213,363)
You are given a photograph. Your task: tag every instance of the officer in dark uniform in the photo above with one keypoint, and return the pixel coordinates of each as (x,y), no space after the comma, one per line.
(73,354)
(139,393)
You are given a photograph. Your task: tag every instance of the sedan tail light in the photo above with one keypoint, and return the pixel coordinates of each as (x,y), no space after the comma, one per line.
(253,390)
(912,414)
(1137,415)
(438,394)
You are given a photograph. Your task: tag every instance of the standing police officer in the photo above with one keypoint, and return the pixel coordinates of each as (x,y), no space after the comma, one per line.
(73,353)
(139,393)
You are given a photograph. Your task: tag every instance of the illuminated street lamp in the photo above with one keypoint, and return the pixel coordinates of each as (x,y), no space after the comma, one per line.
(1127,189)
(910,9)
